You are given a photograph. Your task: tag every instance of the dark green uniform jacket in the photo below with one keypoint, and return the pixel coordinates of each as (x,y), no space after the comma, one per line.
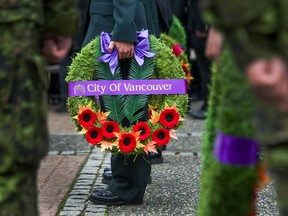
(122,18)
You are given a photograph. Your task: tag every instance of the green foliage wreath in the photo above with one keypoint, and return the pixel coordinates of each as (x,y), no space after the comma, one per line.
(86,66)
(177,31)
(180,55)
(227,189)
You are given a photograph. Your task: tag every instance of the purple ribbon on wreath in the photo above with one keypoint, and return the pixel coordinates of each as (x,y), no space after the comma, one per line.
(108,57)
(235,150)
(141,50)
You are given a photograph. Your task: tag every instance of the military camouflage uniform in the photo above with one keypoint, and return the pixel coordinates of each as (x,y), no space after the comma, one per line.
(23,96)
(259,29)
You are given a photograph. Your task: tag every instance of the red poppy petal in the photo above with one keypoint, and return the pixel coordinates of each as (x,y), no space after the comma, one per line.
(109,128)
(144,129)
(161,136)
(94,135)
(127,143)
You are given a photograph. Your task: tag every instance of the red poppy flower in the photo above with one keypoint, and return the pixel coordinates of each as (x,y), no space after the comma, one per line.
(144,130)
(109,128)
(87,118)
(169,118)
(127,142)
(161,136)
(177,50)
(94,135)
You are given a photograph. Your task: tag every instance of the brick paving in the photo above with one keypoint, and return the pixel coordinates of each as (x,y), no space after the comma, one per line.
(58,170)
(60,122)
(56,175)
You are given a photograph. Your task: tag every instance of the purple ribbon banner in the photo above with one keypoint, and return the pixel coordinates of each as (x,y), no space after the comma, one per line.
(127,87)
(233,150)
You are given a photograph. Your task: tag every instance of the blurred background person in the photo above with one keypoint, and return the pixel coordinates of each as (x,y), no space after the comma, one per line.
(198,32)
(259,46)
(62,85)
(30,30)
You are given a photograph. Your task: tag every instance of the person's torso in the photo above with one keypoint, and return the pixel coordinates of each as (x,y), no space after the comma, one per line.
(101,17)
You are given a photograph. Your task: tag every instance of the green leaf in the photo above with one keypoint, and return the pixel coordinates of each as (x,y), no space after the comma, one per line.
(112,103)
(115,105)
(104,72)
(133,104)
(137,72)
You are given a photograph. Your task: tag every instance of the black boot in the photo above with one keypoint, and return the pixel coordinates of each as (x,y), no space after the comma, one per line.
(106,197)
(201,113)
(156,158)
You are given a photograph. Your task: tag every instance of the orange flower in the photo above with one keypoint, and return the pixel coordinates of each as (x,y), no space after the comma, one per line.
(102,116)
(185,68)
(169,118)
(106,145)
(83,108)
(173,134)
(86,116)
(150,147)
(150,108)
(154,117)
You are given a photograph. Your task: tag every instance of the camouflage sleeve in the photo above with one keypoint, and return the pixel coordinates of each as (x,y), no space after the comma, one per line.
(254,29)
(61,16)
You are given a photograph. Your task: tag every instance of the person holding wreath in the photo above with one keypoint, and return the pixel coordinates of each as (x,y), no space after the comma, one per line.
(129,174)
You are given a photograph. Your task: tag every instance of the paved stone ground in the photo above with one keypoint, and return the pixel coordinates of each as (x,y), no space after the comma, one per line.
(56,175)
(175,183)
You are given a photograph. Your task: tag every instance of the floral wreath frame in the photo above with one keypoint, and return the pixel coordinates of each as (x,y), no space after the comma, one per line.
(165,115)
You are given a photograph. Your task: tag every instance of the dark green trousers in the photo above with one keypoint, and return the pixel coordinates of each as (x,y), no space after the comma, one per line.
(130,177)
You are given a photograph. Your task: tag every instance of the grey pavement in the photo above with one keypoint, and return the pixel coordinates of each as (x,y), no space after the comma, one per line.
(175,183)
